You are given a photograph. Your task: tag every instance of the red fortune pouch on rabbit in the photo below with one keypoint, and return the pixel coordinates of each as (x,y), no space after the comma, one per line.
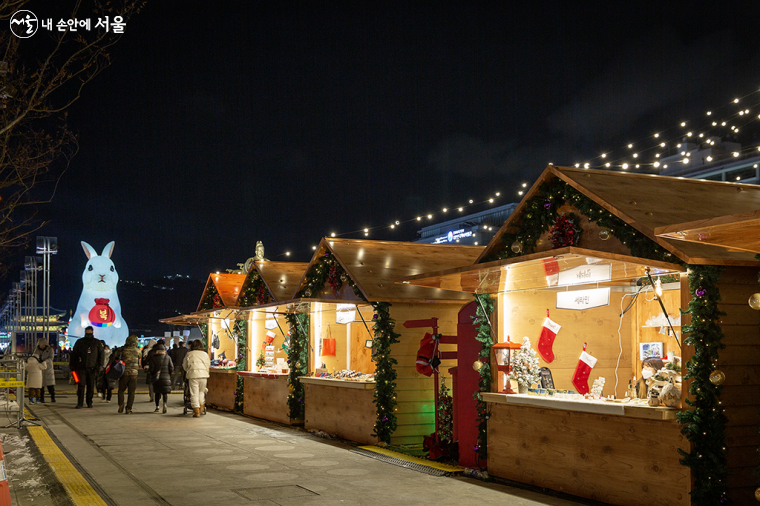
(102,315)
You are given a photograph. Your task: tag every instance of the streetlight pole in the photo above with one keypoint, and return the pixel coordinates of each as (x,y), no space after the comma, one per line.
(46,246)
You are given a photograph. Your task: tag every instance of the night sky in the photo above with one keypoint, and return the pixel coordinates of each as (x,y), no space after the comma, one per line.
(217,127)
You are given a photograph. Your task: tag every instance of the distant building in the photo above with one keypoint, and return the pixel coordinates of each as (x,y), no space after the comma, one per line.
(712,159)
(477,228)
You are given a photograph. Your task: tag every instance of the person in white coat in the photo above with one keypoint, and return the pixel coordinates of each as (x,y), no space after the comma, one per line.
(45,352)
(34,368)
(196,365)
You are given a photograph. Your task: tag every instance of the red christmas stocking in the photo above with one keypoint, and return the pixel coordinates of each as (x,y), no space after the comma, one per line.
(583,371)
(546,340)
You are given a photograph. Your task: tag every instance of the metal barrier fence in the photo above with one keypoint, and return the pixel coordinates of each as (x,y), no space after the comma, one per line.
(13,390)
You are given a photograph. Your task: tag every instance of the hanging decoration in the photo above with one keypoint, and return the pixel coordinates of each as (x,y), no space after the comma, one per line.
(484,337)
(705,424)
(240,331)
(325,270)
(549,332)
(298,358)
(254,291)
(583,371)
(540,215)
(566,231)
(445,414)
(211,299)
(754,301)
(203,327)
(385,373)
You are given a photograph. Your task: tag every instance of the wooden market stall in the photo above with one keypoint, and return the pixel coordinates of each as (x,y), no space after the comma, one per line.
(341,283)
(218,307)
(570,269)
(265,379)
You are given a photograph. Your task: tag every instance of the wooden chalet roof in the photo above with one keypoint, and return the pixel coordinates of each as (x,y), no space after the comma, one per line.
(375,266)
(647,202)
(281,278)
(737,231)
(228,286)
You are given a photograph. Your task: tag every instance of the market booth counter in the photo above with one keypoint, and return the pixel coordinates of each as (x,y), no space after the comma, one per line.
(265,380)
(597,297)
(344,282)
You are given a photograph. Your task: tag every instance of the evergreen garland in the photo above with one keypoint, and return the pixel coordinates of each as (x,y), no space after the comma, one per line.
(540,214)
(385,374)
(211,299)
(327,269)
(298,358)
(255,291)
(445,415)
(484,338)
(204,334)
(705,424)
(241,336)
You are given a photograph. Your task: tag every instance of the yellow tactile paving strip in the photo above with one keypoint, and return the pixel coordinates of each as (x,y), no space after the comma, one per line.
(79,490)
(414,460)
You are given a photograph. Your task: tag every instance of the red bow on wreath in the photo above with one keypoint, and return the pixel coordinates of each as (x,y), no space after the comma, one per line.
(333,277)
(565,231)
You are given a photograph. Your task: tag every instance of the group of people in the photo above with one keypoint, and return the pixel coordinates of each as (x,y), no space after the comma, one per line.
(40,373)
(91,359)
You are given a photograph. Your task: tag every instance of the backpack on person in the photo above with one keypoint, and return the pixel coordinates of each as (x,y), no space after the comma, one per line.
(115,368)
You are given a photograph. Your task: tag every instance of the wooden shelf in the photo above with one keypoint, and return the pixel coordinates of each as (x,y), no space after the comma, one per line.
(584,406)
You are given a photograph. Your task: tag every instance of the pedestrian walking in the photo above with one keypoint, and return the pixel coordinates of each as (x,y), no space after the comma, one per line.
(178,358)
(128,381)
(102,382)
(109,383)
(46,353)
(147,353)
(161,368)
(86,361)
(196,365)
(34,368)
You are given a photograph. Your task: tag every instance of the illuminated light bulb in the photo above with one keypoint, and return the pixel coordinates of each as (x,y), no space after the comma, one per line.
(741,113)
(366,230)
(287,253)
(525,185)
(397,223)
(470,201)
(662,144)
(709,158)
(656,164)
(736,100)
(366,234)
(754,166)
(746,111)
(585,165)
(630,146)
(419,218)
(607,164)
(736,131)
(735,153)
(678,145)
(738,178)
(332,235)
(688,134)
(665,166)
(577,165)
(635,155)
(445,210)
(685,161)
(393,226)
(637,165)
(314,248)
(658,287)
(625,166)
(709,113)
(490,200)
(657,155)
(723,124)
(604,155)
(656,135)
(476,243)
(498,194)
(217,272)
(683,124)
(460,209)
(683,153)
(430,216)
(688,154)
(520,192)
(714,123)
(701,135)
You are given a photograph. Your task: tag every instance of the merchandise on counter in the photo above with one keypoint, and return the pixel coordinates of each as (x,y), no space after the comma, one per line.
(345,374)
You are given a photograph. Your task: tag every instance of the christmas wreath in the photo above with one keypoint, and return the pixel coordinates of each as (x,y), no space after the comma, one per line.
(566,231)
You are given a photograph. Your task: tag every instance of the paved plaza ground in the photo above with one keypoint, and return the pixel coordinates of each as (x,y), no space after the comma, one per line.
(149,458)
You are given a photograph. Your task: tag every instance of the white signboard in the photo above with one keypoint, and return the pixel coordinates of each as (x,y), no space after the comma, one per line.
(346,313)
(270,322)
(585,274)
(583,299)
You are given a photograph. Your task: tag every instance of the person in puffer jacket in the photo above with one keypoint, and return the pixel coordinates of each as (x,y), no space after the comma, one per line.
(161,368)
(128,381)
(196,366)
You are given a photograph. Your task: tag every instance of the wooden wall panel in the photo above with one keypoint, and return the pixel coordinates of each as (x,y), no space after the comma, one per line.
(414,390)
(257,333)
(221,389)
(361,356)
(267,398)
(617,460)
(348,413)
(740,361)
(522,314)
